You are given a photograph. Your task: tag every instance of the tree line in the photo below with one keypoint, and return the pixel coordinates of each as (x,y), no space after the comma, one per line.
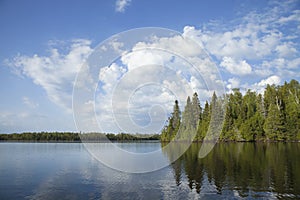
(271,116)
(75,137)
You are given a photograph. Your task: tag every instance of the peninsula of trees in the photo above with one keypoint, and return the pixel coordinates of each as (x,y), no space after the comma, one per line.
(271,116)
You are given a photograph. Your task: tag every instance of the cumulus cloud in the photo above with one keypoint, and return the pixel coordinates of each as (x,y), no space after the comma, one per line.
(127,95)
(236,67)
(258,44)
(121,5)
(54,73)
(260,86)
(139,90)
(269,81)
(242,42)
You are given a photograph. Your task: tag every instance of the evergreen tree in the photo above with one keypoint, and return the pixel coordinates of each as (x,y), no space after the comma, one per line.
(292,109)
(275,115)
(187,125)
(171,129)
(216,118)
(269,97)
(274,124)
(196,110)
(233,116)
(176,119)
(204,122)
(252,128)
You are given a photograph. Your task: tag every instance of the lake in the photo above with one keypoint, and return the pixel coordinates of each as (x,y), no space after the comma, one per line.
(229,171)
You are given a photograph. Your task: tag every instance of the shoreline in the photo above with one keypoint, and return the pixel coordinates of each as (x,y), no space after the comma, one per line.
(148,141)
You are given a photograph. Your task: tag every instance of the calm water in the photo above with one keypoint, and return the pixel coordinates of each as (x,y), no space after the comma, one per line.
(231,171)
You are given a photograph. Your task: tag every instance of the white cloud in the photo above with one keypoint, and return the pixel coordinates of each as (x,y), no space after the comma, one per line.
(242,42)
(256,45)
(233,83)
(260,86)
(236,67)
(121,5)
(270,81)
(282,63)
(255,36)
(259,44)
(116,46)
(30,103)
(142,58)
(261,72)
(126,98)
(110,75)
(295,16)
(181,45)
(294,64)
(286,50)
(141,89)
(55,73)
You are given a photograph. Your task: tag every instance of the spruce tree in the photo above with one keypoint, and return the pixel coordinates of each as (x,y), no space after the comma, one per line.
(186,127)
(173,124)
(204,122)
(274,124)
(196,110)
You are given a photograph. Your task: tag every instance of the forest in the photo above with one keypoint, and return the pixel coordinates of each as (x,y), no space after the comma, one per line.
(75,137)
(271,116)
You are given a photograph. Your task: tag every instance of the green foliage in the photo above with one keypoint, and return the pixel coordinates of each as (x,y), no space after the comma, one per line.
(274,124)
(75,137)
(203,123)
(275,115)
(252,128)
(172,128)
(187,128)
(41,137)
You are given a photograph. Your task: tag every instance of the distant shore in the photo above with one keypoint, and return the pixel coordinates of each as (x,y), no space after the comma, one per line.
(69,137)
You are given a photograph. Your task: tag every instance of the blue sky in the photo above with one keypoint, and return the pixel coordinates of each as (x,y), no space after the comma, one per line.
(253,43)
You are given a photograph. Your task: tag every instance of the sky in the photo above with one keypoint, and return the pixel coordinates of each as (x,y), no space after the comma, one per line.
(44,45)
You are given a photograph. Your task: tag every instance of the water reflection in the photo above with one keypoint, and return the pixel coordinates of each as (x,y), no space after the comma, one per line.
(230,171)
(248,169)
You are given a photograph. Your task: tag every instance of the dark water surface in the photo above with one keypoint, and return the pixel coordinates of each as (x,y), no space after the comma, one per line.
(230,171)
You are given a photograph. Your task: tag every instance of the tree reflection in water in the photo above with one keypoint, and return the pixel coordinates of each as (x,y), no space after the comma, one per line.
(248,168)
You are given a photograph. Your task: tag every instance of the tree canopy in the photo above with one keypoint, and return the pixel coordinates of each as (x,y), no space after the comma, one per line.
(271,116)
